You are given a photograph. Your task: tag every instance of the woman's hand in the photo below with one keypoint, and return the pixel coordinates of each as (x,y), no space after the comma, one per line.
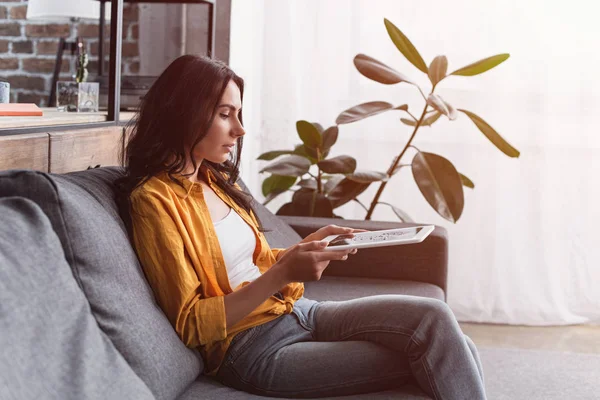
(328,231)
(306,261)
(322,233)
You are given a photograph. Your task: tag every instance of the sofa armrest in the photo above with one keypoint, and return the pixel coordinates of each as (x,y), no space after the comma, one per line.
(423,262)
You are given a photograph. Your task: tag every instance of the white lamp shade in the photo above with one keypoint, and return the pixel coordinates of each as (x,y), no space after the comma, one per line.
(65,10)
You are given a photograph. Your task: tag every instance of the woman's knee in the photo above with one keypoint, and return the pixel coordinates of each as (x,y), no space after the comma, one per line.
(438,309)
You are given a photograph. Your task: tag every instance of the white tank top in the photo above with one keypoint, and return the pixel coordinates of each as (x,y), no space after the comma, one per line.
(237,243)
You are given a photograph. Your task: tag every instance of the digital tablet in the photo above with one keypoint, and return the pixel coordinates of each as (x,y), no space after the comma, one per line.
(388,237)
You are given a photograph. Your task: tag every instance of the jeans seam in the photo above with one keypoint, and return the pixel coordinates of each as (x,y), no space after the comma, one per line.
(436,394)
(372,380)
(374,329)
(236,353)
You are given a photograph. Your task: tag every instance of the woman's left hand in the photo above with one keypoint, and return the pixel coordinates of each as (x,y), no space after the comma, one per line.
(328,231)
(325,231)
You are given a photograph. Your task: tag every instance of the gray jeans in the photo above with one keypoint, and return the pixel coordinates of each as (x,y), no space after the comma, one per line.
(335,348)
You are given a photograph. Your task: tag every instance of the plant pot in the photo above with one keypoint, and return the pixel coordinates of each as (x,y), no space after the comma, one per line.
(74,96)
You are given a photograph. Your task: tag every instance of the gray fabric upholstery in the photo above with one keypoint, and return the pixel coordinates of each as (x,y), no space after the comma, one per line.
(346,288)
(206,388)
(50,344)
(83,212)
(420,262)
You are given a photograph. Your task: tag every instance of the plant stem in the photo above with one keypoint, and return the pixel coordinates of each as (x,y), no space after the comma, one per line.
(319,186)
(393,166)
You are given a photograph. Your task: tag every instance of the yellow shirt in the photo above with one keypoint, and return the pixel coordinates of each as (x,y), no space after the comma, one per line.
(179,251)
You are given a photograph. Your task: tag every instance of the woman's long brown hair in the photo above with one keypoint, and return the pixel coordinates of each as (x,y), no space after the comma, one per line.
(176,114)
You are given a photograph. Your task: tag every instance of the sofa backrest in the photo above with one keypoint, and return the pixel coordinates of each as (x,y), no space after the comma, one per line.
(52,347)
(82,210)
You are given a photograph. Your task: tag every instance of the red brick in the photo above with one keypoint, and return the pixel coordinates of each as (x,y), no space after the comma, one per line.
(23,47)
(4,46)
(18,12)
(51,30)
(9,63)
(27,82)
(93,49)
(3,12)
(130,50)
(46,47)
(88,30)
(130,12)
(10,29)
(135,31)
(43,65)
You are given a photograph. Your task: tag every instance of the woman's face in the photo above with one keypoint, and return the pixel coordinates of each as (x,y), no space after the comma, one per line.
(226,128)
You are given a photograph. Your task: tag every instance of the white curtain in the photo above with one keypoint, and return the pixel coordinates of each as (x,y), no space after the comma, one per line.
(525,250)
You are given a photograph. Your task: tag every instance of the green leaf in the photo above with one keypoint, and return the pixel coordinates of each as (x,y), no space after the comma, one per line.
(318,126)
(306,152)
(309,134)
(426,121)
(291,165)
(307,203)
(492,135)
(405,46)
(332,182)
(479,67)
(378,71)
(277,182)
(330,137)
(308,184)
(408,122)
(466,181)
(440,184)
(345,191)
(338,165)
(437,69)
(367,176)
(403,216)
(362,111)
(270,155)
(438,104)
(272,195)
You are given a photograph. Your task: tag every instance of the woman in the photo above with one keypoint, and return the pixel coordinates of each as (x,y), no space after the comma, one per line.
(239,302)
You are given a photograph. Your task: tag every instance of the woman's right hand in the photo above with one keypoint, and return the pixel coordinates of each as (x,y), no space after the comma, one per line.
(306,261)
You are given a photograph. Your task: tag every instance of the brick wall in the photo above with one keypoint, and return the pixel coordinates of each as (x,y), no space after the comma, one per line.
(28,50)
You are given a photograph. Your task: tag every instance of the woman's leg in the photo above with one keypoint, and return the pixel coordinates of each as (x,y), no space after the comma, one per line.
(424,329)
(281,359)
(475,355)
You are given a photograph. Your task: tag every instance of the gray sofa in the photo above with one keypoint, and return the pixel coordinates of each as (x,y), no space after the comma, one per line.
(79,321)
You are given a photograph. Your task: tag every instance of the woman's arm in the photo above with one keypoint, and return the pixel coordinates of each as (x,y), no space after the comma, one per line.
(300,263)
(246,299)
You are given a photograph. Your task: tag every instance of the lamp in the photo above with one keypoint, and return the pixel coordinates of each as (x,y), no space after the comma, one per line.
(63,11)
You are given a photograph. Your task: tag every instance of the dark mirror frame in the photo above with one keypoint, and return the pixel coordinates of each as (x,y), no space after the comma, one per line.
(219,30)
(114,78)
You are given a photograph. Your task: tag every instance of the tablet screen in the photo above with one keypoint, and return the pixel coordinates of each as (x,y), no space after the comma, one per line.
(371,237)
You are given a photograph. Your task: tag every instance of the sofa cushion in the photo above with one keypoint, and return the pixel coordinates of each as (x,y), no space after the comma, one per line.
(51,345)
(345,288)
(82,209)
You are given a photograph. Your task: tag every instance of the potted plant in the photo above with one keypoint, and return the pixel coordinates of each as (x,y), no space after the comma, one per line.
(78,95)
(437,178)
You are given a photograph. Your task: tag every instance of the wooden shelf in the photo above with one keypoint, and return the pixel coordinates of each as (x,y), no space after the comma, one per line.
(53,117)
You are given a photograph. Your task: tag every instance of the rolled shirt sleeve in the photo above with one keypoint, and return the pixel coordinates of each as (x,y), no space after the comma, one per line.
(170,273)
